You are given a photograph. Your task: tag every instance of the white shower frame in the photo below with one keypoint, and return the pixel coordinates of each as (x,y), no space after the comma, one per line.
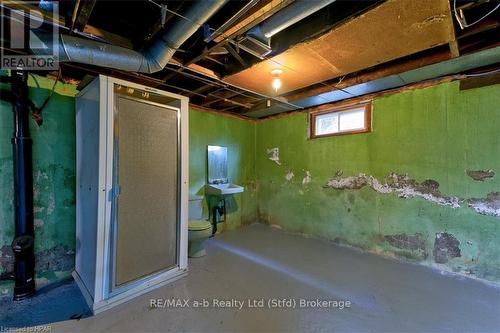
(100,297)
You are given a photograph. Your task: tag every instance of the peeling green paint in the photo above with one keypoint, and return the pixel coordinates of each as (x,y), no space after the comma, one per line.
(54,176)
(434,133)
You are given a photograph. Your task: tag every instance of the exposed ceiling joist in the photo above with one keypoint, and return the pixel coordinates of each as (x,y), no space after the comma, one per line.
(230,101)
(161,22)
(267,10)
(81,14)
(381,71)
(407,27)
(427,37)
(222,29)
(199,90)
(235,54)
(220,98)
(108,36)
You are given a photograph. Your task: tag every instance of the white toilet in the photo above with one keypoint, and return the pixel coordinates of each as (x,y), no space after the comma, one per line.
(199,229)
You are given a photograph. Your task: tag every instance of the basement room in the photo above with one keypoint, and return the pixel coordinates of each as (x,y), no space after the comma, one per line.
(250,166)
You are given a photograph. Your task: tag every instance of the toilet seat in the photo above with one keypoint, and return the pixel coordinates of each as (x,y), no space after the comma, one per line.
(199,225)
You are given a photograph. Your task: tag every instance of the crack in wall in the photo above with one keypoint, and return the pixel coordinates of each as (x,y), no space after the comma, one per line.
(404,186)
(407,188)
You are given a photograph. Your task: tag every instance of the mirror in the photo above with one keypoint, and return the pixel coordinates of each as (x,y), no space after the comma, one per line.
(217,165)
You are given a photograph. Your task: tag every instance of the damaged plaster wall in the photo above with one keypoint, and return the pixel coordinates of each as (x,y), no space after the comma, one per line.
(238,136)
(428,190)
(422,186)
(274,155)
(54,183)
(434,141)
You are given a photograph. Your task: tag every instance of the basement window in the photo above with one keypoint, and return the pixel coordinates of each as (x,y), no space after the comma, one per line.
(340,121)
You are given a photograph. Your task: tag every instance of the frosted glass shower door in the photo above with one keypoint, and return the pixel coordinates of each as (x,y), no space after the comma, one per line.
(145,206)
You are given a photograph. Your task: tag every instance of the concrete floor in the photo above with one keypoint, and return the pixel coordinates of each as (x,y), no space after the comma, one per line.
(259,262)
(52,303)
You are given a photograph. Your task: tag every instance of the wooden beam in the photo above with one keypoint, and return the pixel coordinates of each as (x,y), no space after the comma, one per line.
(108,36)
(479,81)
(368,97)
(76,8)
(215,60)
(485,25)
(235,54)
(244,24)
(230,101)
(454,49)
(258,15)
(83,9)
(196,107)
(255,18)
(199,90)
(453,44)
(219,98)
(377,73)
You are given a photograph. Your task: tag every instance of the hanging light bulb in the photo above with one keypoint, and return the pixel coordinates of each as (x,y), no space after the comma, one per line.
(276,83)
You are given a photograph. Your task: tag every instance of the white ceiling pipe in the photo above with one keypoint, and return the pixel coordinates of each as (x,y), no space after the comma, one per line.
(286,17)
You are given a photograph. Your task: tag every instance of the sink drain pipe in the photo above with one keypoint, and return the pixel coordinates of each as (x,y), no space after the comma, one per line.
(23,244)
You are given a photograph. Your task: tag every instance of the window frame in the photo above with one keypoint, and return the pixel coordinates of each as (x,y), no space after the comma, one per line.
(368,120)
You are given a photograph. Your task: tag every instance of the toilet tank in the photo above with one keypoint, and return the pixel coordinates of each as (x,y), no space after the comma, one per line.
(195,207)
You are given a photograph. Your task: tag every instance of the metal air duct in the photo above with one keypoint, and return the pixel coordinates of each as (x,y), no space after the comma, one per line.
(153,59)
(286,17)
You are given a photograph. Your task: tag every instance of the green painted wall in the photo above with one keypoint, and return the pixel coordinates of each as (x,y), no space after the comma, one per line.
(54,182)
(239,137)
(434,133)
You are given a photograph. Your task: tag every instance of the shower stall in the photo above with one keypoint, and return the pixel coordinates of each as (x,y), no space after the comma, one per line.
(132,178)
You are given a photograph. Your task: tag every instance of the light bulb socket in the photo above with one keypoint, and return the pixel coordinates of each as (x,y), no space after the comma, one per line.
(276,72)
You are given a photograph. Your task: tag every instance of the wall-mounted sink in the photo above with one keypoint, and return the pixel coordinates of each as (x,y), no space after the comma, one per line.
(223,189)
(218,181)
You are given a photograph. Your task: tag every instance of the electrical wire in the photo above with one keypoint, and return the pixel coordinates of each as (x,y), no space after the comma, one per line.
(36,112)
(40,109)
(175,13)
(464,25)
(495,71)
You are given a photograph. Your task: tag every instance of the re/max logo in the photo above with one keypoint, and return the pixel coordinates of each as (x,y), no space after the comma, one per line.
(169,303)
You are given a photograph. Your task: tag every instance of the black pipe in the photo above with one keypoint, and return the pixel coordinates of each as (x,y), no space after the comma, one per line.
(22,246)
(217,211)
(214,220)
